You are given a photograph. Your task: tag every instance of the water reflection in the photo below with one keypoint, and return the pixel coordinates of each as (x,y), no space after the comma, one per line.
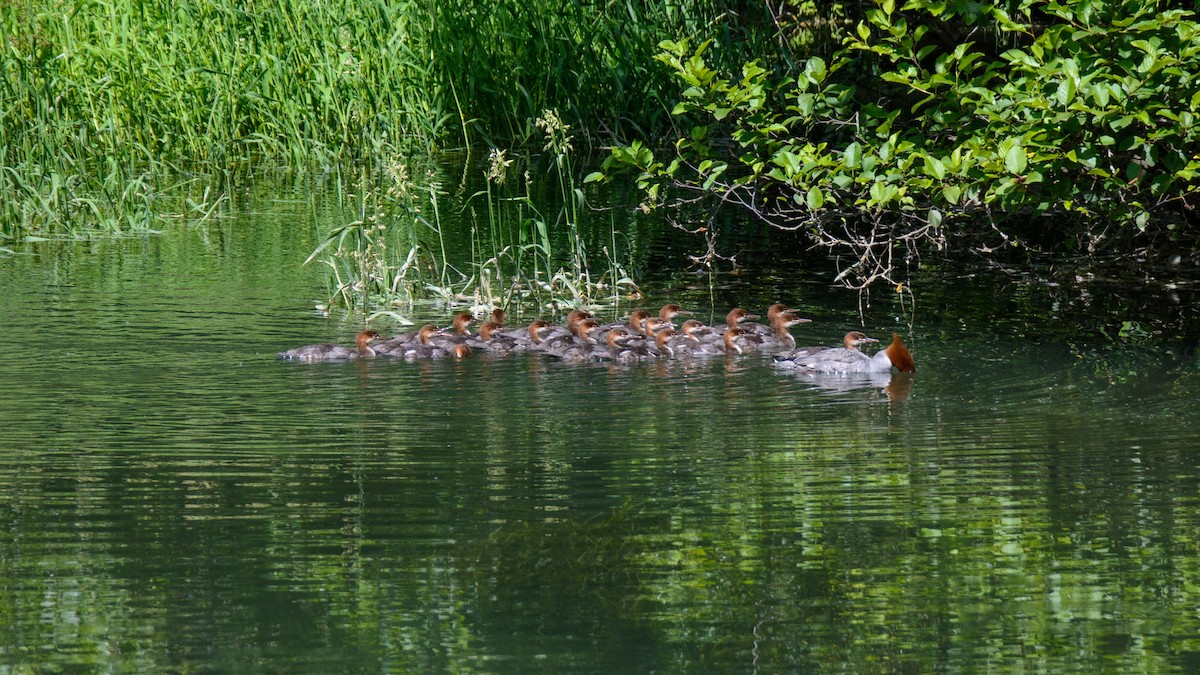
(895,386)
(174,498)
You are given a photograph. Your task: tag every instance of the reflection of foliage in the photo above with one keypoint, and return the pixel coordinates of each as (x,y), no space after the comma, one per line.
(581,577)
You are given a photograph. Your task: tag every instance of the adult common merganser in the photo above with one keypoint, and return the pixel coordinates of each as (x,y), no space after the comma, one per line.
(852,341)
(330,352)
(848,359)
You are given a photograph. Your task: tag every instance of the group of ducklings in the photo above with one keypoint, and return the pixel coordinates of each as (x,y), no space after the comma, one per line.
(583,338)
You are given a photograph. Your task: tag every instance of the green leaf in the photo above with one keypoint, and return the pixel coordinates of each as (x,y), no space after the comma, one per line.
(815,198)
(593,177)
(935,167)
(1015,159)
(1066,92)
(952,193)
(852,155)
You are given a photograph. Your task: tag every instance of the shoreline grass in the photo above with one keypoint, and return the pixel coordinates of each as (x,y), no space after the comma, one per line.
(398,255)
(102,99)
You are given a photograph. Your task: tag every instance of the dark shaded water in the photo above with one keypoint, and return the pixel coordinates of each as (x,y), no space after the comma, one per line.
(172,497)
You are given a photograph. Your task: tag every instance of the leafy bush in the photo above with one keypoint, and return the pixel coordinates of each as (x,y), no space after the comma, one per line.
(1089,116)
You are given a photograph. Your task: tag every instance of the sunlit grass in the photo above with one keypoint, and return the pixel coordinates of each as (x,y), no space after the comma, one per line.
(102,100)
(397,256)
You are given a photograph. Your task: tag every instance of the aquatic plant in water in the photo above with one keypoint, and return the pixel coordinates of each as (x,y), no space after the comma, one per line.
(396,254)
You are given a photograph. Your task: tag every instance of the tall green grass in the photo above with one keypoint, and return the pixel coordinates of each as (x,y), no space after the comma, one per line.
(104,101)
(511,250)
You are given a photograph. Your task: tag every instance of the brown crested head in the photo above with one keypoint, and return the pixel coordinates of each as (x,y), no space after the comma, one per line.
(584,329)
(738,315)
(733,338)
(487,329)
(366,337)
(661,337)
(462,323)
(669,312)
(655,324)
(775,310)
(616,337)
(856,338)
(899,355)
(637,320)
(498,317)
(689,327)
(425,332)
(575,316)
(786,319)
(461,351)
(537,328)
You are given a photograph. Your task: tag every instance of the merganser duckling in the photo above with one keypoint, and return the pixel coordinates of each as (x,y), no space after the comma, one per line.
(654,325)
(775,310)
(643,341)
(848,359)
(733,341)
(538,330)
(581,339)
(461,351)
(730,343)
(491,339)
(662,341)
(635,323)
(578,347)
(574,317)
(766,330)
(397,343)
(577,316)
(424,347)
(698,332)
(737,316)
(330,352)
(462,323)
(669,312)
(780,337)
(615,346)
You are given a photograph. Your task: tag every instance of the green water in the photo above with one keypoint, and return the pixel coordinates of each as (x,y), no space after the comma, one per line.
(174,498)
